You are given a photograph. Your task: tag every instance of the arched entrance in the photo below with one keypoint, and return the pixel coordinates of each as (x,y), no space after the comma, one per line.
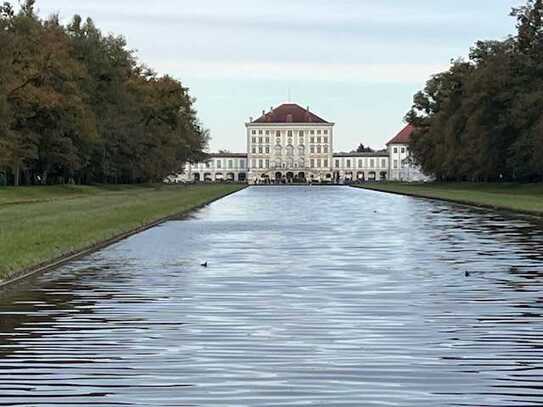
(231,177)
(290,176)
(301,176)
(242,177)
(383,176)
(197,177)
(360,176)
(372,176)
(208,177)
(278,176)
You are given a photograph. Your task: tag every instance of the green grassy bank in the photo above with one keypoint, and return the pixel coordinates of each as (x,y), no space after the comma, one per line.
(40,224)
(523,198)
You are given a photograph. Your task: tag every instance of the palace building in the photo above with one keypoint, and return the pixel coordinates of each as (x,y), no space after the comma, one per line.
(291,144)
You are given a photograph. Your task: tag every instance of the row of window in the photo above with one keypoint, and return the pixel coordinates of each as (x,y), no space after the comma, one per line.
(290,132)
(219,164)
(363,163)
(314,163)
(289,150)
(266,140)
(395,150)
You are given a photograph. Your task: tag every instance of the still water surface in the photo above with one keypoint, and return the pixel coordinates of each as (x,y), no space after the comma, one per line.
(313,296)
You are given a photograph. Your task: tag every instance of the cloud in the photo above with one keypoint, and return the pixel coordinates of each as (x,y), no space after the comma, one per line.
(294,71)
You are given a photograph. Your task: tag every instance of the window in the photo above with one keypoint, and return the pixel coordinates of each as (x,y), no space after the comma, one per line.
(260,150)
(383,163)
(318,132)
(325,140)
(290,150)
(312,163)
(348,164)
(319,163)
(325,149)
(325,164)
(267,149)
(260,140)
(318,140)
(219,164)
(301,150)
(301,133)
(254,131)
(253,150)
(403,150)
(267,140)
(337,163)
(259,131)
(242,164)
(312,149)
(395,163)
(230,164)
(395,150)
(312,132)
(372,163)
(260,164)
(319,149)
(325,132)
(301,141)
(278,133)
(267,163)
(253,140)
(267,132)
(278,142)
(359,163)
(208,164)
(289,133)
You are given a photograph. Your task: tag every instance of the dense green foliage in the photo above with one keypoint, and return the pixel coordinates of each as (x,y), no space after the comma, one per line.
(482,120)
(42,223)
(76,106)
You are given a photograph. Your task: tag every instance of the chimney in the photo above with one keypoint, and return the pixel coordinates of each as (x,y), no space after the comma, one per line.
(263,113)
(307,108)
(271,109)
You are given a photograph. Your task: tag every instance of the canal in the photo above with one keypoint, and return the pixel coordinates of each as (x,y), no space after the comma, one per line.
(329,296)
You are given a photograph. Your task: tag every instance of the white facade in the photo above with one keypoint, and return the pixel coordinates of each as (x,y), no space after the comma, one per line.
(290,144)
(229,167)
(289,151)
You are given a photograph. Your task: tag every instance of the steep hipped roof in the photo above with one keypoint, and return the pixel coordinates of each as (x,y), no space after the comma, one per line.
(289,113)
(404,136)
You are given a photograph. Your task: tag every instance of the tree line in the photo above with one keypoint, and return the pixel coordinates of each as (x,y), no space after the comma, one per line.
(482,120)
(76,106)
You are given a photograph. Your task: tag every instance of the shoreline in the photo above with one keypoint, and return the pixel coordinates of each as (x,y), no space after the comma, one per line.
(22,276)
(537,215)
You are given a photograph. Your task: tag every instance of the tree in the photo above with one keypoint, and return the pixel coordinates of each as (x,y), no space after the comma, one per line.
(77,106)
(362,149)
(481,120)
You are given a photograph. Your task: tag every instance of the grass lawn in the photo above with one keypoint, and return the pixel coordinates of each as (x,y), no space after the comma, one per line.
(525,198)
(40,224)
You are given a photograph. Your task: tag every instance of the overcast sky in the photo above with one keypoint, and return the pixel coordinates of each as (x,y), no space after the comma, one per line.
(354,62)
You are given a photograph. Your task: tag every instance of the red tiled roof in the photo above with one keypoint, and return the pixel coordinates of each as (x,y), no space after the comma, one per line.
(289,113)
(404,136)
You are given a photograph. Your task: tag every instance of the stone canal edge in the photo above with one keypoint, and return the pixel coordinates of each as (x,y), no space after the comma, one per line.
(496,208)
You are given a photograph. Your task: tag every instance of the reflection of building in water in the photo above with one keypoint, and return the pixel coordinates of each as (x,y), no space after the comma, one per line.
(292,144)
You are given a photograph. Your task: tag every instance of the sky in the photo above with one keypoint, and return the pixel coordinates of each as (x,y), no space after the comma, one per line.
(356,63)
